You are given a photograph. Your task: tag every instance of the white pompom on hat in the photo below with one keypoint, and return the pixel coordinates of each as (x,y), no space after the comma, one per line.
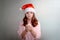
(28,8)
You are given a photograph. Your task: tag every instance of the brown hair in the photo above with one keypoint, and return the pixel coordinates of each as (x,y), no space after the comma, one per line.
(34,21)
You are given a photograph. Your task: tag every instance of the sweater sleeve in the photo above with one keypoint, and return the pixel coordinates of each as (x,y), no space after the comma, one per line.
(37,30)
(20,29)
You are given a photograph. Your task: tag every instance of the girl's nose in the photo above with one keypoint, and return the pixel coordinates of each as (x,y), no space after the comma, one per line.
(29,13)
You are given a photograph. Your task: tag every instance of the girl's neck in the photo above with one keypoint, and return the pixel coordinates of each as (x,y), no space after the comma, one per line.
(29,20)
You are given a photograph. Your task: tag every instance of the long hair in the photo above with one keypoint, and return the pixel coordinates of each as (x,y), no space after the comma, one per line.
(34,20)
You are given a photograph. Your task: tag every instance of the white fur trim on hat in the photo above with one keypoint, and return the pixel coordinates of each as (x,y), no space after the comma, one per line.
(29,9)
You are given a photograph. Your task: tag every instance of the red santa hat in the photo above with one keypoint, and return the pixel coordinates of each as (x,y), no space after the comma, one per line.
(28,7)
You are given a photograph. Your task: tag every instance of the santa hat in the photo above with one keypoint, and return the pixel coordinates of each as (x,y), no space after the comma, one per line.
(28,7)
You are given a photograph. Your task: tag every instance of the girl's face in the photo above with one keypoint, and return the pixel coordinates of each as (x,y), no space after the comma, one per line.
(29,15)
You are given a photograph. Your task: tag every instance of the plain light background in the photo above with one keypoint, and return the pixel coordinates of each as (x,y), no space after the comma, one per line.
(47,12)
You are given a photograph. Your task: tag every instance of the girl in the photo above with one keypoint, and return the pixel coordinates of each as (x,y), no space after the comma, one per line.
(29,28)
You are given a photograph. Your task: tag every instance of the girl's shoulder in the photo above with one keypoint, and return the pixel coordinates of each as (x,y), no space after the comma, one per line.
(38,22)
(20,23)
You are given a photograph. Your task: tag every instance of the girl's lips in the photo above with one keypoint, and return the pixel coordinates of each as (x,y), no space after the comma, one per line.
(28,16)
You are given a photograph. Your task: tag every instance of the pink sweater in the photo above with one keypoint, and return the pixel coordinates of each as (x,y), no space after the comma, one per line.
(28,36)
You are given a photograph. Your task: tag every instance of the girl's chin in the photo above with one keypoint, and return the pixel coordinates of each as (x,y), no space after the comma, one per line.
(29,18)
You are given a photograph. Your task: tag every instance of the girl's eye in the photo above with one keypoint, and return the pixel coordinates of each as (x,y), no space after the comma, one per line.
(27,13)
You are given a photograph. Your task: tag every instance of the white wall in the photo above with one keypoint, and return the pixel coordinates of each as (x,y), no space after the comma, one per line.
(48,12)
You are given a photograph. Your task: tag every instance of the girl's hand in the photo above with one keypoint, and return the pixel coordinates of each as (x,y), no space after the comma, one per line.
(29,27)
(23,38)
(23,34)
